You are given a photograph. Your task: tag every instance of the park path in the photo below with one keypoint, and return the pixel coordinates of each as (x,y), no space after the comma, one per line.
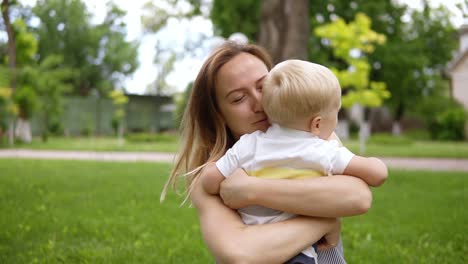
(439,164)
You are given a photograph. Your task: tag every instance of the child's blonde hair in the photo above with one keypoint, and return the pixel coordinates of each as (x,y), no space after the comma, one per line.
(295,90)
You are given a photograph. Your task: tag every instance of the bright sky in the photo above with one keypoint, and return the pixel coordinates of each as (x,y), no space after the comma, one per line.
(175,34)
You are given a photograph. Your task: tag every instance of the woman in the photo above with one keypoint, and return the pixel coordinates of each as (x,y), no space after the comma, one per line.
(224,105)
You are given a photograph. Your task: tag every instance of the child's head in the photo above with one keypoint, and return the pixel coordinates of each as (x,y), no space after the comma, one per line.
(302,95)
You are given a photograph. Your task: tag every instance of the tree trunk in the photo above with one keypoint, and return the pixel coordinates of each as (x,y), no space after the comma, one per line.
(120,132)
(396,128)
(23,130)
(5,6)
(364,133)
(364,129)
(285,29)
(11,42)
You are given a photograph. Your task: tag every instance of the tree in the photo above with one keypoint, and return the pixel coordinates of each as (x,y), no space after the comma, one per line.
(119,99)
(98,53)
(25,96)
(50,80)
(350,43)
(164,60)
(402,63)
(154,19)
(8,108)
(413,62)
(282,27)
(119,56)
(5,6)
(246,14)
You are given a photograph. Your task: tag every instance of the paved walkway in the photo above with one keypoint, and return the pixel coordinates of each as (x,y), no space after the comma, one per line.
(400,163)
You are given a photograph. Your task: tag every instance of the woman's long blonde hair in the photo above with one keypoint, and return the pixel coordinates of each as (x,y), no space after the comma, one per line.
(204,135)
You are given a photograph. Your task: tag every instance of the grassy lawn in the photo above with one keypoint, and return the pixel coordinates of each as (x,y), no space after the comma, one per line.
(98,212)
(428,149)
(378,146)
(162,143)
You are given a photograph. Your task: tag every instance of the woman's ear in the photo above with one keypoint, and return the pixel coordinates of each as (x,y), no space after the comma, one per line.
(314,126)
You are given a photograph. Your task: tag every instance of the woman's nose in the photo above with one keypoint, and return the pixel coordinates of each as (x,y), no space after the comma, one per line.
(257,101)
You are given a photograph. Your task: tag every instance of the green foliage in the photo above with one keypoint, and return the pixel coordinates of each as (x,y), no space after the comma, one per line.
(155,16)
(230,17)
(27,101)
(350,42)
(8,108)
(417,134)
(181,104)
(450,124)
(444,117)
(119,99)
(410,62)
(389,139)
(25,42)
(414,60)
(99,54)
(50,81)
(148,137)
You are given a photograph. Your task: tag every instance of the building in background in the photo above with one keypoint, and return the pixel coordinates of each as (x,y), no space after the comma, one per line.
(93,115)
(458,70)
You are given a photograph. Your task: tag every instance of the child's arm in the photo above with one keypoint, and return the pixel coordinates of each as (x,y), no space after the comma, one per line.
(211,178)
(372,170)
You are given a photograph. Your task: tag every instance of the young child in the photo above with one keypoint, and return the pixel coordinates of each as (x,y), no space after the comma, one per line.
(301,100)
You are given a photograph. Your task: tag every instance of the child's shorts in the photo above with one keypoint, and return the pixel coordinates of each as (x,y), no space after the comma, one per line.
(301,259)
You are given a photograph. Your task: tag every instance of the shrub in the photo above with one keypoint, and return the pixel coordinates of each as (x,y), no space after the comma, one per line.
(444,117)
(449,124)
(389,139)
(148,137)
(417,134)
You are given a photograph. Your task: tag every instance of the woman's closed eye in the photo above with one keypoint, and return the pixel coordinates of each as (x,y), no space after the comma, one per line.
(238,99)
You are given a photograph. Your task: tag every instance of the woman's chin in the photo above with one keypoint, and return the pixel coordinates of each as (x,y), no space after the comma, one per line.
(262,126)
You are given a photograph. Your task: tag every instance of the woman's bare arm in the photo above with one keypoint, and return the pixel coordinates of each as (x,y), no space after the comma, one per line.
(333,196)
(230,241)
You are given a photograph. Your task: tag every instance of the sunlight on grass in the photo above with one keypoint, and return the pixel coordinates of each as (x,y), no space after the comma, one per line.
(100,212)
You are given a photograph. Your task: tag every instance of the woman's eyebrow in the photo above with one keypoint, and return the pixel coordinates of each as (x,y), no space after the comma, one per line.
(261,79)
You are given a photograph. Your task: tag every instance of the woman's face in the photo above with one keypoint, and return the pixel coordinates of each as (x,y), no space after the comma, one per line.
(239,94)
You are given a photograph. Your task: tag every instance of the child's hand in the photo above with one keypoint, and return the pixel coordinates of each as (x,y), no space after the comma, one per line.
(235,190)
(331,239)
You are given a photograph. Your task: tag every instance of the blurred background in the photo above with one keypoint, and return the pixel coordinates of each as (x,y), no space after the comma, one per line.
(401,64)
(114,76)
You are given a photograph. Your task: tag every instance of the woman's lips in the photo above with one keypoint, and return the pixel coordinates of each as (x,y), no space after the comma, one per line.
(261,120)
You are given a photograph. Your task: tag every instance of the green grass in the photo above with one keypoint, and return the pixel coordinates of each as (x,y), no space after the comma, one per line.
(90,212)
(416,217)
(428,149)
(378,145)
(99,212)
(162,143)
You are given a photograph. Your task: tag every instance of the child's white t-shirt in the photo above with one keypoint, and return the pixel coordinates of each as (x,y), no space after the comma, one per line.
(282,153)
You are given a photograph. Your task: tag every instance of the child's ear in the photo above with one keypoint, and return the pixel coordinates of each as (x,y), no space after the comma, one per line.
(314,126)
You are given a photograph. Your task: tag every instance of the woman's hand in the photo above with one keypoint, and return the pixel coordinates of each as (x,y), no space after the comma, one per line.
(332,238)
(235,190)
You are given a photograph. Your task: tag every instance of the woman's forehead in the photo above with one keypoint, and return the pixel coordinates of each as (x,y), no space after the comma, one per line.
(242,71)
